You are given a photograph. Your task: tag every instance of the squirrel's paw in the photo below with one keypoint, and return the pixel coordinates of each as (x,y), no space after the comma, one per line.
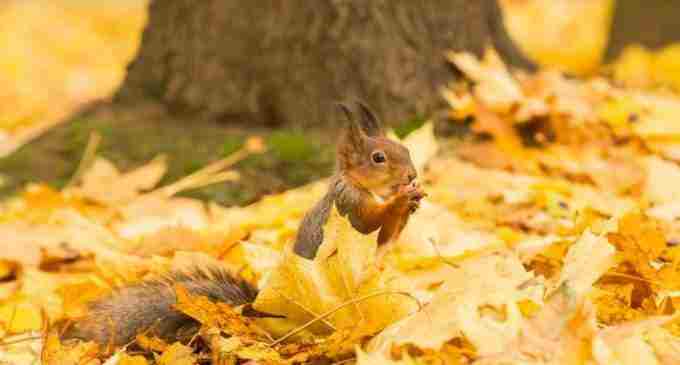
(412,194)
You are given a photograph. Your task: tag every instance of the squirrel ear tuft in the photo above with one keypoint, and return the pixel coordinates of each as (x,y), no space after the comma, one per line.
(355,132)
(368,121)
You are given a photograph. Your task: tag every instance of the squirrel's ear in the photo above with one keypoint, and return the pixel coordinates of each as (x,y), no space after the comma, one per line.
(368,121)
(355,133)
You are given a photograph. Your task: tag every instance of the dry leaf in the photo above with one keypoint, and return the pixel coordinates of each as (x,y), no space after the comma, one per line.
(377,358)
(83,353)
(24,349)
(495,86)
(152,213)
(422,145)
(151,343)
(625,344)
(177,354)
(131,360)
(217,315)
(478,300)
(103,182)
(302,289)
(586,261)
(663,181)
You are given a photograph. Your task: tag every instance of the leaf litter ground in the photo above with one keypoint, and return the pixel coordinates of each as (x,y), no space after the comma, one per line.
(550,236)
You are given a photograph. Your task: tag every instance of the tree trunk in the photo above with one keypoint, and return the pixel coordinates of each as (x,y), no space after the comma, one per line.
(278,63)
(652,23)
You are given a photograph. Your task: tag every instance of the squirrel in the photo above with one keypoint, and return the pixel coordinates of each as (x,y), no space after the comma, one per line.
(374,188)
(374,185)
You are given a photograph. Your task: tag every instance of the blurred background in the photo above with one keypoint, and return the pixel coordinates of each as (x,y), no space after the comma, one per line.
(192,80)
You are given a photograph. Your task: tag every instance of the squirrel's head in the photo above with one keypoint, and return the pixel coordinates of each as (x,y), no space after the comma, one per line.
(368,158)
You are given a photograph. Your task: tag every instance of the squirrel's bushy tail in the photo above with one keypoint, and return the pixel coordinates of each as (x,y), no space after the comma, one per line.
(149,305)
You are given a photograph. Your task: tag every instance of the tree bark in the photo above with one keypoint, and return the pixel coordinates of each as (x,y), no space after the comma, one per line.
(652,23)
(274,63)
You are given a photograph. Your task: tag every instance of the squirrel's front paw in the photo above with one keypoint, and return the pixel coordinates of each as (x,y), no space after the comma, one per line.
(412,195)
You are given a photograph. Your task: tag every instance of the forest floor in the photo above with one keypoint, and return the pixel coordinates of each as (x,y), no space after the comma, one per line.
(131,138)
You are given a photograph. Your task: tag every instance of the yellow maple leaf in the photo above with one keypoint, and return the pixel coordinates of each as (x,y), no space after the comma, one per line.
(479,301)
(496,88)
(151,343)
(82,353)
(217,315)
(639,240)
(177,354)
(126,359)
(103,182)
(334,291)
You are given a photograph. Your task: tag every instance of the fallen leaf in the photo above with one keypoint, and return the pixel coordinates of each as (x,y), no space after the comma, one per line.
(103,182)
(495,86)
(422,145)
(344,287)
(132,360)
(83,353)
(218,315)
(478,301)
(663,181)
(177,354)
(586,261)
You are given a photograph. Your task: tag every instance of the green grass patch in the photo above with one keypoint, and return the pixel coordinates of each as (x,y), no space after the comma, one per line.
(405,128)
(292,146)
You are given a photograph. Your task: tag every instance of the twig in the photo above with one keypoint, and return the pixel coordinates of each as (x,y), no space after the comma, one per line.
(20,340)
(341,306)
(45,335)
(345,361)
(439,254)
(88,156)
(208,175)
(304,308)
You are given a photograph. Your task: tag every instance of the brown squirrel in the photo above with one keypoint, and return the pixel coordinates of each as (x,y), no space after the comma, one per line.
(374,187)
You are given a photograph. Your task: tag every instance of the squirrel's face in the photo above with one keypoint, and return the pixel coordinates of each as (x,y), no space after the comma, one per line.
(382,166)
(371,160)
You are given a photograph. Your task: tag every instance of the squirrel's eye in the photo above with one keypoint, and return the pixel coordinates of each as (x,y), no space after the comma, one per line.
(378,157)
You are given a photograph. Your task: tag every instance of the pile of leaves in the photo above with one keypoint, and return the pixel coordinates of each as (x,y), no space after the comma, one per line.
(550,236)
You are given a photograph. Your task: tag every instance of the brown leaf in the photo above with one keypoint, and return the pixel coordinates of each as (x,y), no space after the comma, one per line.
(218,315)
(151,343)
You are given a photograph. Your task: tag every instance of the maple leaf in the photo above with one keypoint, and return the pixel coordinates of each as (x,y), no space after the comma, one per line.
(625,344)
(586,261)
(478,300)
(422,146)
(640,241)
(103,182)
(495,87)
(335,291)
(218,315)
(126,359)
(54,353)
(177,354)
(663,180)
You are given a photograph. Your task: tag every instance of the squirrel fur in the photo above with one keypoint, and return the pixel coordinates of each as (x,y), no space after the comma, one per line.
(373,187)
(149,306)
